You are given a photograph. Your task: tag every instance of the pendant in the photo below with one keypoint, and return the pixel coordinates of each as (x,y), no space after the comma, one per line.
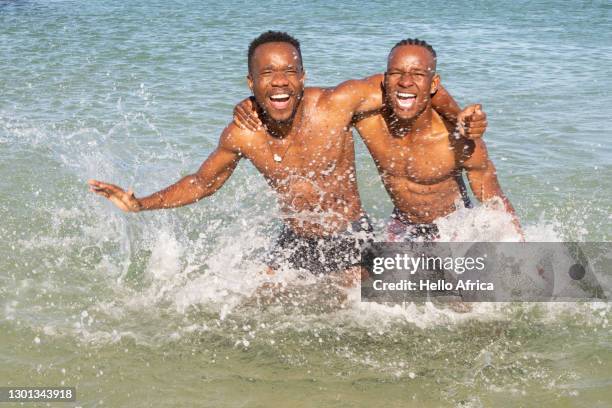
(277,158)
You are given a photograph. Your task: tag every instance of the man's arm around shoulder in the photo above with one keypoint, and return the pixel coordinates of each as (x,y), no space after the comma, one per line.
(356,96)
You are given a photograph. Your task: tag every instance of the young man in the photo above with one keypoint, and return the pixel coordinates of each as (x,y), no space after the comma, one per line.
(419,158)
(304,151)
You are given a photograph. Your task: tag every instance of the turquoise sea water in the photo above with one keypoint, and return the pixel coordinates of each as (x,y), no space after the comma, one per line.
(152,309)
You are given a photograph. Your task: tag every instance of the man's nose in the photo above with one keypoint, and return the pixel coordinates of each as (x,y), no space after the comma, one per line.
(406,80)
(280,79)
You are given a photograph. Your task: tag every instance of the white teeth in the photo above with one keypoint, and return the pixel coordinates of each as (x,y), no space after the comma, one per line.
(279,96)
(406,95)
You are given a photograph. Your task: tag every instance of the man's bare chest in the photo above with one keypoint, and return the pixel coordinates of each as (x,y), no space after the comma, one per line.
(424,162)
(309,154)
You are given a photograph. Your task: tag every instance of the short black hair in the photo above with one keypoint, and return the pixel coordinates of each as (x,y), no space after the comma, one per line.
(415,41)
(273,36)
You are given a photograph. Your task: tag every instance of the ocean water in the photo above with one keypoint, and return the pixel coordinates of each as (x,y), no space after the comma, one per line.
(156,309)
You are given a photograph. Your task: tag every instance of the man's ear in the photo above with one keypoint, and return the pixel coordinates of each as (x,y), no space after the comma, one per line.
(435,83)
(250,82)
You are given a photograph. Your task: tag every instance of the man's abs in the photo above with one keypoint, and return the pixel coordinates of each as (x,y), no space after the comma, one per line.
(422,203)
(319,208)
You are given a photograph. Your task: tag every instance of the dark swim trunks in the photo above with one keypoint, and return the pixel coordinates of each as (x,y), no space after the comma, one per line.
(400,229)
(322,255)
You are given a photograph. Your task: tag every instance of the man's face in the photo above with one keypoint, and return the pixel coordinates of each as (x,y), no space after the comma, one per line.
(277,79)
(410,80)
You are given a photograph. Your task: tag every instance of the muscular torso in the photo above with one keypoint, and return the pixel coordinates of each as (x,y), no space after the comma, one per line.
(315,178)
(420,174)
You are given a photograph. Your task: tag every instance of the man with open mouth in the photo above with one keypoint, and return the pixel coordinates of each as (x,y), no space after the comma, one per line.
(305,152)
(420,160)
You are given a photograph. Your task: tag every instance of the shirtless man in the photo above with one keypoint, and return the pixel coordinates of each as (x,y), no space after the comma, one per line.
(305,152)
(419,158)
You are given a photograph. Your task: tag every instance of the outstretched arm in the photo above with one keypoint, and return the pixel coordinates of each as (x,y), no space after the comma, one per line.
(212,174)
(482,176)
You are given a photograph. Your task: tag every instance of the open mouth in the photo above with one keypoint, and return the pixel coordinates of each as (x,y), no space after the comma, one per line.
(280,101)
(405,100)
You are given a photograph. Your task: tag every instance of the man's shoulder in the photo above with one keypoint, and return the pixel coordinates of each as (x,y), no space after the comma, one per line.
(312,97)
(313,93)
(235,137)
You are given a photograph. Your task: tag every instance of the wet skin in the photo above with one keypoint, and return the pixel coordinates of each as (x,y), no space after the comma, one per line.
(304,150)
(416,153)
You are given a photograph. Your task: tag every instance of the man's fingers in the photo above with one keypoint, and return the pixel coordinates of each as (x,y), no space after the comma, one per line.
(479,124)
(109,189)
(472,113)
(239,116)
(467,112)
(94,183)
(253,123)
(244,120)
(476,125)
(252,111)
(475,132)
(476,128)
(96,187)
(112,189)
(249,103)
(476,122)
(475,115)
(101,184)
(249,121)
(99,191)
(112,192)
(238,123)
(253,119)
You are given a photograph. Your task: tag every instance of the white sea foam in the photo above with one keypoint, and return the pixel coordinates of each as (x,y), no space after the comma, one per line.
(206,258)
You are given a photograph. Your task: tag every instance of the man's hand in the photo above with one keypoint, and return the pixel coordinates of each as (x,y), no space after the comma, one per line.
(245,116)
(125,200)
(472,122)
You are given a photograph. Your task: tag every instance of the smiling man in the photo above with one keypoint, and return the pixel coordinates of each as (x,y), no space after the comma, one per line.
(305,152)
(418,156)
